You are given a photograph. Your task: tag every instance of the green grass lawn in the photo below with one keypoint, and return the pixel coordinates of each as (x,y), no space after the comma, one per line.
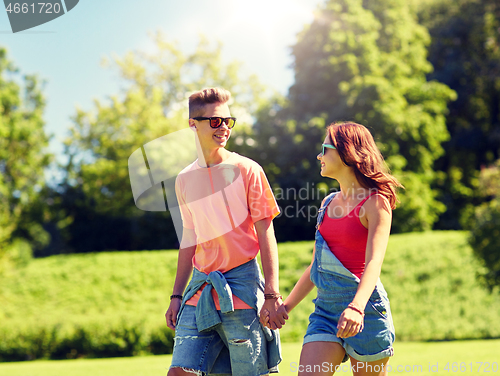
(111,304)
(422,358)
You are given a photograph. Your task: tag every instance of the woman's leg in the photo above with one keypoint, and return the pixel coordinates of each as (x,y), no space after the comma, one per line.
(182,372)
(375,368)
(320,358)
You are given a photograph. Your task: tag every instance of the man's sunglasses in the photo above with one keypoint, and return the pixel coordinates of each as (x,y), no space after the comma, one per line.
(327,146)
(216,122)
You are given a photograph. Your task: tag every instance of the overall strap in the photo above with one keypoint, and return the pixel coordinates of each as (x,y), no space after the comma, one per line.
(322,209)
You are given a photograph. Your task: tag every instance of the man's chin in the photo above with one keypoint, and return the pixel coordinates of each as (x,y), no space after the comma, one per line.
(221,145)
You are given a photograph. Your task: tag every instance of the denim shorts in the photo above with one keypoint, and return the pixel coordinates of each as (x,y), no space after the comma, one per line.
(337,287)
(374,342)
(237,346)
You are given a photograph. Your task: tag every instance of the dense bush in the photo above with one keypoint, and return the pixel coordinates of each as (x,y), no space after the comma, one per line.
(113,304)
(485,230)
(94,305)
(94,340)
(485,240)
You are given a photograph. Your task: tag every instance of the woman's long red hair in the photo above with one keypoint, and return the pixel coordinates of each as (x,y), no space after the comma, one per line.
(357,149)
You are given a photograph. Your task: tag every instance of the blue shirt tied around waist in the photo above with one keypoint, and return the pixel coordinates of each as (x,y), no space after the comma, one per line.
(246,283)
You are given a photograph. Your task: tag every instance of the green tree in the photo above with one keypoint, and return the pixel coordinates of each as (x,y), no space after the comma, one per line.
(97,207)
(465,53)
(23,157)
(366,61)
(287,150)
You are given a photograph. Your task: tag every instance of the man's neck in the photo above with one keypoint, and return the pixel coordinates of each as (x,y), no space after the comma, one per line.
(213,157)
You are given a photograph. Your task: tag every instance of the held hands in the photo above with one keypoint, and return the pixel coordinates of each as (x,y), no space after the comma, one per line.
(350,322)
(274,320)
(277,320)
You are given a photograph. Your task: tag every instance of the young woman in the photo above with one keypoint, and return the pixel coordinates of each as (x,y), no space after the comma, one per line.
(352,317)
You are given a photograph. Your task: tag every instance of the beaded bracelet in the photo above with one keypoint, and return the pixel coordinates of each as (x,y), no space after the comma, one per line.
(273,296)
(354,308)
(176,296)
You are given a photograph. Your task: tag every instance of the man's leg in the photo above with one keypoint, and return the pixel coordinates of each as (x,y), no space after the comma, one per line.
(194,352)
(242,333)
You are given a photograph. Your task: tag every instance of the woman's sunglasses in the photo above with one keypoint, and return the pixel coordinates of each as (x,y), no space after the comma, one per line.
(216,122)
(326,146)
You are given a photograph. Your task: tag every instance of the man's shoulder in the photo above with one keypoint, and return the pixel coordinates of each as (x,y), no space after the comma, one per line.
(188,168)
(244,162)
(184,174)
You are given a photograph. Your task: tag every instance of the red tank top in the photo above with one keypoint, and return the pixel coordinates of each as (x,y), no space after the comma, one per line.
(346,237)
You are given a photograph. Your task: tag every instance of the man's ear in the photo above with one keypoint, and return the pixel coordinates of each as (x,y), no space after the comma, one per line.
(192,125)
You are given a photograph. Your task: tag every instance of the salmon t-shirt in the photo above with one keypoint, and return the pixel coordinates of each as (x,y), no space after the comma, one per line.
(221,203)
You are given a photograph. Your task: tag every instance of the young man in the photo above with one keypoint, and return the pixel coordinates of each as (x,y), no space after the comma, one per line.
(227,208)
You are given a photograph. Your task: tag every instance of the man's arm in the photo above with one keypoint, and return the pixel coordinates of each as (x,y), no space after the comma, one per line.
(184,270)
(270,266)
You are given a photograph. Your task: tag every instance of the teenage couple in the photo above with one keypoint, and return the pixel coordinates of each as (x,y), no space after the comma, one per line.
(226,320)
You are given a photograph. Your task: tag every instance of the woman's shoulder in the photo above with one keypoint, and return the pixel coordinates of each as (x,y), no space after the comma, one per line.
(378,202)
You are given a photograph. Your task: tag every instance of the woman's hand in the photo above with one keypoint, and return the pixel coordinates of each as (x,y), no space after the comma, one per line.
(264,317)
(350,323)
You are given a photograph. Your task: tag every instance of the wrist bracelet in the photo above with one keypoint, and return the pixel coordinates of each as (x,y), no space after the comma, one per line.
(176,296)
(273,296)
(354,308)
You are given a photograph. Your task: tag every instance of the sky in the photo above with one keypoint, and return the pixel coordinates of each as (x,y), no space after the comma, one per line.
(68,52)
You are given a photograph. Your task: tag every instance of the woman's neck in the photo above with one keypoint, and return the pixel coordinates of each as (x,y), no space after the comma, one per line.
(350,188)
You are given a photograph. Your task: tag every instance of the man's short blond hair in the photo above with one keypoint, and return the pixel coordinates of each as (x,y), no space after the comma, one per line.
(200,99)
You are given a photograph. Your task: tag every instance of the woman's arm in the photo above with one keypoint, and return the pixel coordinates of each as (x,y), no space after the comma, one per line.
(298,293)
(301,289)
(379,216)
(270,268)
(304,285)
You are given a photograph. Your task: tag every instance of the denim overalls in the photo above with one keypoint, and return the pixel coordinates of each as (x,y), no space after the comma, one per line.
(336,288)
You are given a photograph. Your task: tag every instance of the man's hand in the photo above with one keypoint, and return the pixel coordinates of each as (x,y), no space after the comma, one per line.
(265,315)
(273,314)
(171,314)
